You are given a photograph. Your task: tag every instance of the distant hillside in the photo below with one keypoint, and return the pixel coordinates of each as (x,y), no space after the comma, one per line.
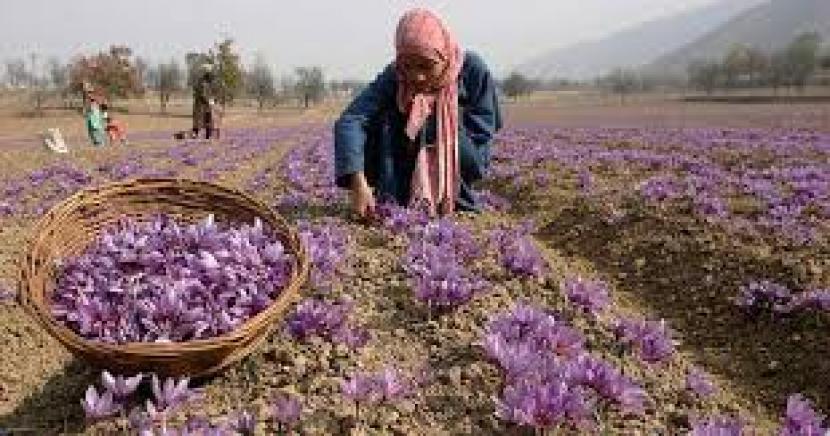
(769,26)
(634,47)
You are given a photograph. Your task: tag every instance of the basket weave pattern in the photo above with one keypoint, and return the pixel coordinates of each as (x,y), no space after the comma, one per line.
(71,226)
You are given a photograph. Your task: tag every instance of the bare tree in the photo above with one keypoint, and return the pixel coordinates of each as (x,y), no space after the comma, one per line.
(517,85)
(287,89)
(778,72)
(621,82)
(311,85)
(169,79)
(59,79)
(705,75)
(736,64)
(260,82)
(37,83)
(803,58)
(58,74)
(141,68)
(16,73)
(758,62)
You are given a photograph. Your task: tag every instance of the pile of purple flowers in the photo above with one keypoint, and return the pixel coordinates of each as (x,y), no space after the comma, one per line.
(328,246)
(518,253)
(550,380)
(768,297)
(161,281)
(315,317)
(437,265)
(651,339)
(590,295)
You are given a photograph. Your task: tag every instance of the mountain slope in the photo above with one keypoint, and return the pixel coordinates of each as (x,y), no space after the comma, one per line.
(769,26)
(635,46)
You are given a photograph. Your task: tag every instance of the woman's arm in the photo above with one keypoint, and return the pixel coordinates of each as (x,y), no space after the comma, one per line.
(481,114)
(351,129)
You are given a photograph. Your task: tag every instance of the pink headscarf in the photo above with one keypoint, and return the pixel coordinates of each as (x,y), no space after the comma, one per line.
(435,180)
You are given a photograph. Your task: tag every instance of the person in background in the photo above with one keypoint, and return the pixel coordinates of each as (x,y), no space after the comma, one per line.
(214,121)
(94,121)
(420,134)
(116,130)
(204,97)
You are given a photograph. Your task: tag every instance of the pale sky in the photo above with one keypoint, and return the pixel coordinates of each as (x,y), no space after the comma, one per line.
(348,38)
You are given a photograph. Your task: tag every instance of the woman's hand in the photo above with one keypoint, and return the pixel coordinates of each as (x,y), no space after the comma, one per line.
(363,201)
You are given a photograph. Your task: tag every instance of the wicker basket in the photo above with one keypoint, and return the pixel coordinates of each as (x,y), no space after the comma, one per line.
(69,227)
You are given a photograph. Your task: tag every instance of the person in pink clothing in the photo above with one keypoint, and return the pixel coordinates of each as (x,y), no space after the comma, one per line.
(420,132)
(116,130)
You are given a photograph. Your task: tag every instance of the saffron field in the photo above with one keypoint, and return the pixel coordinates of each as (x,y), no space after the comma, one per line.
(621,280)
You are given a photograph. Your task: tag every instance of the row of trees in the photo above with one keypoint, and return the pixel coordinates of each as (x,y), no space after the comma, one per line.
(621,82)
(121,75)
(748,67)
(517,85)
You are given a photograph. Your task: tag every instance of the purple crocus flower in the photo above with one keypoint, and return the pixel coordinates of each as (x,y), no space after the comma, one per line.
(244,422)
(360,389)
(801,419)
(592,296)
(6,294)
(97,406)
(140,422)
(120,386)
(698,382)
(393,384)
(170,394)
(328,245)
(352,337)
(389,385)
(544,406)
(329,320)
(586,181)
(764,295)
(285,410)
(517,252)
(817,300)
(651,339)
(401,220)
(718,426)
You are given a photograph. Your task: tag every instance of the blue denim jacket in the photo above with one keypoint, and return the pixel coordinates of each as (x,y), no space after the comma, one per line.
(369,135)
